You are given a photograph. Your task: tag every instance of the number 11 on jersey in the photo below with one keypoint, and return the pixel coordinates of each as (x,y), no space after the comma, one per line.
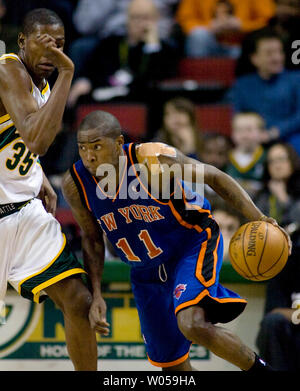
(152,250)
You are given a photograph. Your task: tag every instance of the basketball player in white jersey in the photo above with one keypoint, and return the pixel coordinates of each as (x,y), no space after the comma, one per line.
(34,256)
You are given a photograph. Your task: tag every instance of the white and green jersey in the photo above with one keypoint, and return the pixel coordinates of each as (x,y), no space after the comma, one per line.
(21,174)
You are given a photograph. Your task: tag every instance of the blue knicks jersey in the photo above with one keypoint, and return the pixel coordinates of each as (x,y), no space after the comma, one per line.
(145,231)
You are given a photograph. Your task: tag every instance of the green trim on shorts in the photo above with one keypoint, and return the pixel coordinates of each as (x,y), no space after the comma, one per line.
(64,266)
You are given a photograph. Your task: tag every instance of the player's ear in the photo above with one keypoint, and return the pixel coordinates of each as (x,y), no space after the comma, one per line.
(21,40)
(120,140)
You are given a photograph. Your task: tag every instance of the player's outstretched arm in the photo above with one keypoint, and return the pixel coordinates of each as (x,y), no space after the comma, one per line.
(224,185)
(235,195)
(37,127)
(93,252)
(231,191)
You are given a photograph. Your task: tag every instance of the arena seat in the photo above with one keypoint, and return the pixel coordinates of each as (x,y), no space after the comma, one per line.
(132,116)
(219,70)
(216,117)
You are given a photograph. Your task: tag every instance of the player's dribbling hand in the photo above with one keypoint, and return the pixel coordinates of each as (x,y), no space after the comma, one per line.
(55,55)
(274,222)
(97,316)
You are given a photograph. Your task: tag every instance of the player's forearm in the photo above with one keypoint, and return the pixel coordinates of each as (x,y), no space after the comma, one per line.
(227,188)
(93,258)
(42,126)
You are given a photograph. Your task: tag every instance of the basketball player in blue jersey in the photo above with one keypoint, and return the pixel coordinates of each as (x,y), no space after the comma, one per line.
(35,258)
(173,244)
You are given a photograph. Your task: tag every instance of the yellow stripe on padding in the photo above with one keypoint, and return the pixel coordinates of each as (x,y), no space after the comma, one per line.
(37,290)
(4,118)
(45,89)
(46,267)
(10,55)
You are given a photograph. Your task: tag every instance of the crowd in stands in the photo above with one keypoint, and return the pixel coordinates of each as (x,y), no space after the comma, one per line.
(130,51)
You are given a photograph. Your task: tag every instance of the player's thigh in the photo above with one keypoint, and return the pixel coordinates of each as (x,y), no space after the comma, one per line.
(165,344)
(40,256)
(8,229)
(197,290)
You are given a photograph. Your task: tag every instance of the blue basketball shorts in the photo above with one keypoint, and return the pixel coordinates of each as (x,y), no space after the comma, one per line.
(161,292)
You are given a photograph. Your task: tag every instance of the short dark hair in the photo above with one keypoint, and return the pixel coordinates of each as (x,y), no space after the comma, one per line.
(184,105)
(292,155)
(39,16)
(107,123)
(260,35)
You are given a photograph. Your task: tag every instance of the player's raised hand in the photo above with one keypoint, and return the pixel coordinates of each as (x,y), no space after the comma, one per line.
(55,54)
(97,316)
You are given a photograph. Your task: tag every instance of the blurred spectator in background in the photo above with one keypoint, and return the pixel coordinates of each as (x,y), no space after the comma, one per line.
(271,91)
(215,151)
(279,198)
(285,23)
(15,11)
(8,33)
(131,64)
(216,27)
(95,20)
(179,127)
(246,159)
(229,222)
(278,339)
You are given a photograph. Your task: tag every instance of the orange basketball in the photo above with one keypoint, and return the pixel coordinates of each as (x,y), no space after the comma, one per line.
(258,251)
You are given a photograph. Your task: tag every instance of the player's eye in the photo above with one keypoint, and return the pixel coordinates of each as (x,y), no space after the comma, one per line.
(82,147)
(60,45)
(97,147)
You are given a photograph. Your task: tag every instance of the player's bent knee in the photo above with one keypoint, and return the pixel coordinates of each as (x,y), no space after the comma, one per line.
(194,327)
(79,304)
(72,297)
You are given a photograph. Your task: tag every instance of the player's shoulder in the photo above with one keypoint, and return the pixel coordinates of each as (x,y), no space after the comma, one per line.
(149,149)
(13,70)
(154,154)
(10,61)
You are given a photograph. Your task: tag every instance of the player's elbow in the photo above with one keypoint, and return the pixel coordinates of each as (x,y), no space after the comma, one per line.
(38,135)
(38,148)
(39,143)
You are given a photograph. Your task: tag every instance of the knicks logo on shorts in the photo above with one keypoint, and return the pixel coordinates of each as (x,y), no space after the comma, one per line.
(180,288)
